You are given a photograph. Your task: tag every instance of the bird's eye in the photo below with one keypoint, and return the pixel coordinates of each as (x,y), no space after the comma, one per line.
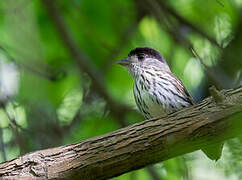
(141,57)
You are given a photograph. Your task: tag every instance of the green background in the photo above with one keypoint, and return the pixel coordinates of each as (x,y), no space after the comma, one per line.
(54,100)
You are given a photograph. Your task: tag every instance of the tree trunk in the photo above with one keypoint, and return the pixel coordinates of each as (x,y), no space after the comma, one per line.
(213,120)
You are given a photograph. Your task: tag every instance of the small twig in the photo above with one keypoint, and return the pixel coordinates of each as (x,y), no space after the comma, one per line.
(51,77)
(186,23)
(218,76)
(220,3)
(2,146)
(217,96)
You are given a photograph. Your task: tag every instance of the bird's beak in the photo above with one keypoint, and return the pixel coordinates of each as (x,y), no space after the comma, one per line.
(124,62)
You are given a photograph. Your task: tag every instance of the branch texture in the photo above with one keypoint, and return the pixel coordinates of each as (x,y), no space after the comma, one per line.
(135,146)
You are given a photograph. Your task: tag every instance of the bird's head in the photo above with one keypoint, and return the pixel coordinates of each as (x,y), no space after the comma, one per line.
(144,59)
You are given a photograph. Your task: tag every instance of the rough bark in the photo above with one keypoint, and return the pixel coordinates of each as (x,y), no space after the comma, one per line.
(213,120)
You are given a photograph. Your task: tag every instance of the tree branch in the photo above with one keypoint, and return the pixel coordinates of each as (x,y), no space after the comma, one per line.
(187,23)
(135,146)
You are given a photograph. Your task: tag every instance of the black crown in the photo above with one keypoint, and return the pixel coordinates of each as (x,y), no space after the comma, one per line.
(148,52)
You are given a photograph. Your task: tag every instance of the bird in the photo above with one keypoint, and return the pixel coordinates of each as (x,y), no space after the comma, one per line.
(157,91)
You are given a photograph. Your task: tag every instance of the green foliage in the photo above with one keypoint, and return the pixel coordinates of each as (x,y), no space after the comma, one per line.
(58,102)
